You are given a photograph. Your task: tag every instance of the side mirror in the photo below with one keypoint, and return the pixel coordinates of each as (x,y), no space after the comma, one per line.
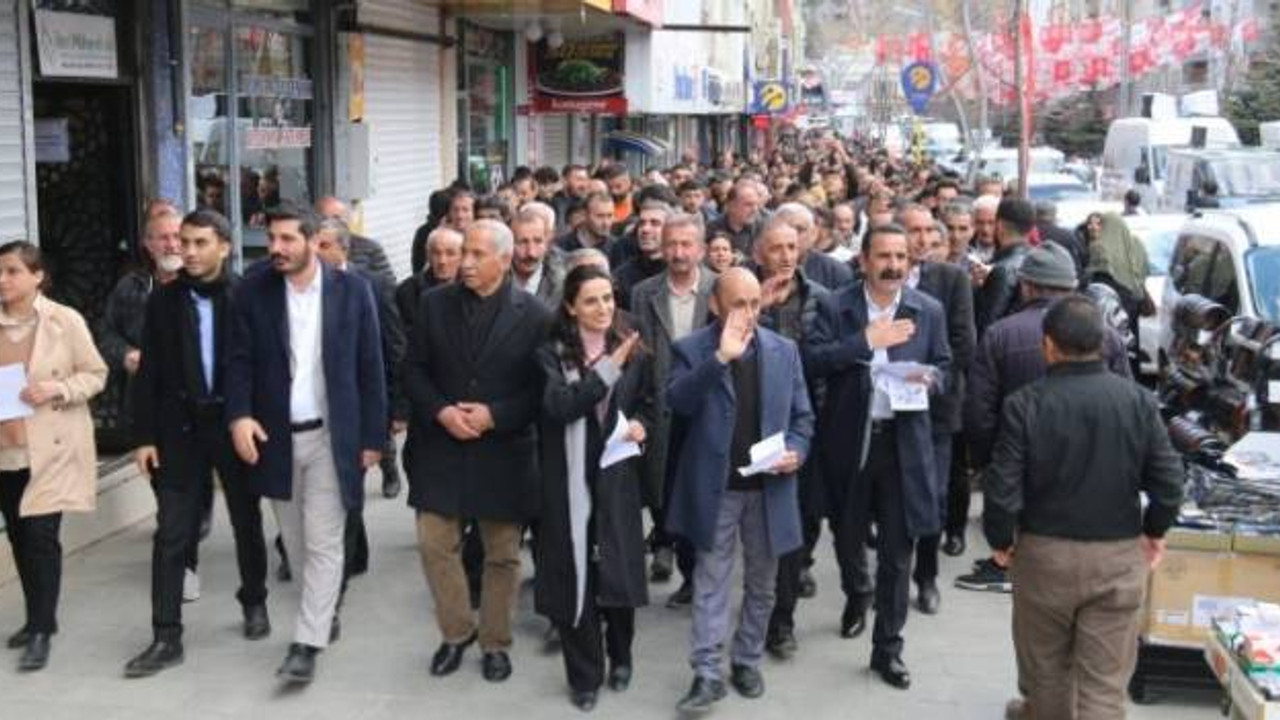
(1142,176)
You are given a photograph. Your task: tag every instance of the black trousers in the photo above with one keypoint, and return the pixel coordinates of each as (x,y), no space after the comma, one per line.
(878,497)
(36,551)
(602,632)
(959,493)
(927,547)
(790,566)
(180,503)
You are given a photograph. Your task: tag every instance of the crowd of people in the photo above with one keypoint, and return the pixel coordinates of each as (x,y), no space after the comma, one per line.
(631,377)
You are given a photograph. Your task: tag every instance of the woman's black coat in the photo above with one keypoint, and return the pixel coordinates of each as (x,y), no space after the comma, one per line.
(616,525)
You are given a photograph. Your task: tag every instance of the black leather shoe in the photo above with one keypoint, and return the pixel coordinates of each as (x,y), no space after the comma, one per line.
(299,665)
(19,639)
(496,666)
(390,485)
(584,701)
(449,656)
(161,655)
(954,545)
(704,693)
(893,672)
(660,567)
(781,644)
(620,678)
(682,597)
(256,623)
(853,621)
(335,629)
(746,680)
(36,656)
(928,599)
(808,586)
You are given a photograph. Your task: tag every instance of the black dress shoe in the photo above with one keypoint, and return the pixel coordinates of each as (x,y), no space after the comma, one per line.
(808,586)
(584,700)
(893,672)
(704,693)
(620,678)
(682,597)
(551,641)
(19,639)
(335,629)
(256,623)
(496,666)
(36,655)
(746,680)
(781,644)
(928,599)
(449,656)
(853,621)
(160,655)
(954,545)
(660,567)
(299,665)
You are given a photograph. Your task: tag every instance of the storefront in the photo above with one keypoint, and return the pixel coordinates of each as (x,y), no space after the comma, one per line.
(252,66)
(486,87)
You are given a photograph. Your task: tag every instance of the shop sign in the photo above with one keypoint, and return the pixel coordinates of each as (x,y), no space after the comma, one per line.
(771,97)
(712,86)
(76,45)
(646,11)
(581,76)
(277,87)
(277,138)
(283,6)
(686,87)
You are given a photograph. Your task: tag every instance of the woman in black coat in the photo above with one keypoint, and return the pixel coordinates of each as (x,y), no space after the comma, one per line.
(590,550)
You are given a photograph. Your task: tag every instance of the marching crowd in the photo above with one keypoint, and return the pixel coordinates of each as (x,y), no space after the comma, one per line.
(640,379)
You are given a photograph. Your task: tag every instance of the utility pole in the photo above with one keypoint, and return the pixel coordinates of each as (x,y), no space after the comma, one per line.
(1023,74)
(976,68)
(1124,94)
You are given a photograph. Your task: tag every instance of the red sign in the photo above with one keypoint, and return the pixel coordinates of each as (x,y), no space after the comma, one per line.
(646,11)
(760,122)
(597,106)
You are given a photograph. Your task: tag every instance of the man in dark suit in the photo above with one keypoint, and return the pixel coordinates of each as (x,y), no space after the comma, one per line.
(877,451)
(444,255)
(736,384)
(364,253)
(950,286)
(667,307)
(475,391)
(307,406)
(181,436)
(536,266)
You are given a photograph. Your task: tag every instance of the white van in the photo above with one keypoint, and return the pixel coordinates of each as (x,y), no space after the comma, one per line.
(1136,152)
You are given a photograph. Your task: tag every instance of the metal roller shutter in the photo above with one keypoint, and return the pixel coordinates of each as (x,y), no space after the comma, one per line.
(555,140)
(403,110)
(13,167)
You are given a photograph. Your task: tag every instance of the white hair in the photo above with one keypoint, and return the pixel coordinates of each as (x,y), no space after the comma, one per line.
(499,234)
(587,256)
(986,202)
(441,234)
(794,209)
(541,210)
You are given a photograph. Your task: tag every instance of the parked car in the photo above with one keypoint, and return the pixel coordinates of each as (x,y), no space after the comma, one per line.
(1159,234)
(1242,176)
(1231,257)
(1136,151)
(1056,187)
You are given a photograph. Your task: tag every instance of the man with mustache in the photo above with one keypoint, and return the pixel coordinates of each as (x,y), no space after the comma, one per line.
(879,465)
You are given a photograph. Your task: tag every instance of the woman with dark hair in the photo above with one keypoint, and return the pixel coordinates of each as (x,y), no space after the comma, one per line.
(590,550)
(48,461)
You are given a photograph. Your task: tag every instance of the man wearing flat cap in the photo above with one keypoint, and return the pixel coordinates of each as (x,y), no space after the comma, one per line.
(1008,358)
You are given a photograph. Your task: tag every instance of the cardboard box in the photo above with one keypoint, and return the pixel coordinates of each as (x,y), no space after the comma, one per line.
(1192,586)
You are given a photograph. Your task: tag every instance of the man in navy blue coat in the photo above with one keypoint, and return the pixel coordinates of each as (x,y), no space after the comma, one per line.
(876,454)
(307,405)
(735,385)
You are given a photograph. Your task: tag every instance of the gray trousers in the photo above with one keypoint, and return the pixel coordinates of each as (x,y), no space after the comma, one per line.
(312,525)
(742,515)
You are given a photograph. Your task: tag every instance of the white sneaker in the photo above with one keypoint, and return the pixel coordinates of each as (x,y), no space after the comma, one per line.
(190,586)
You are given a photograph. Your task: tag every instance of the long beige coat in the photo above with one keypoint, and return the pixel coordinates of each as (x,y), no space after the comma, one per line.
(60,441)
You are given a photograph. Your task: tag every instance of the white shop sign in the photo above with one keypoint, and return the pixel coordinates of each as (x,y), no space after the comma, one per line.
(76,45)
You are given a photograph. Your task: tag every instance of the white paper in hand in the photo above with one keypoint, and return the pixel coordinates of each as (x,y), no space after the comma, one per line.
(897,380)
(13,378)
(765,454)
(618,448)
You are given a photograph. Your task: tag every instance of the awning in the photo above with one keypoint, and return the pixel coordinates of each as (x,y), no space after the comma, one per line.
(625,141)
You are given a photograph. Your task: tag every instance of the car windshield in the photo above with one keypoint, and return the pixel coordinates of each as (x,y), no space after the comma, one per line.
(1159,245)
(1262,265)
(1245,177)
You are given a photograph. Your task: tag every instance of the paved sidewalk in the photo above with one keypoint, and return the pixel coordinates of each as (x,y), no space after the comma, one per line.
(961,660)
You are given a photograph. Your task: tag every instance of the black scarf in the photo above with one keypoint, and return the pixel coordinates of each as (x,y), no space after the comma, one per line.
(205,288)
(216,290)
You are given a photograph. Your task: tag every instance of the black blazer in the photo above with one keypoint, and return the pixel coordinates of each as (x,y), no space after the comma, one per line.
(495,476)
(950,286)
(173,409)
(258,377)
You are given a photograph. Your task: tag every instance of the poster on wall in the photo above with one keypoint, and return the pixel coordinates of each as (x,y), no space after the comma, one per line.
(582,75)
(76,45)
(355,69)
